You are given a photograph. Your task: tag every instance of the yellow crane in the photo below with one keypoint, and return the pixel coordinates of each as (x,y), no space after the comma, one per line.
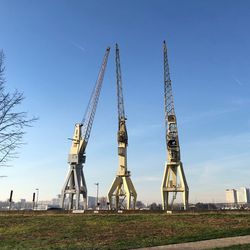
(122,189)
(174,179)
(75,184)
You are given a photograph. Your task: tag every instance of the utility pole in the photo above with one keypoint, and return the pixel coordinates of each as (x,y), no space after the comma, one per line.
(37,193)
(33,200)
(10,199)
(97,192)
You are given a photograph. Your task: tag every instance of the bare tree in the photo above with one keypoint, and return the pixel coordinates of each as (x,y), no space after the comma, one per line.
(12,122)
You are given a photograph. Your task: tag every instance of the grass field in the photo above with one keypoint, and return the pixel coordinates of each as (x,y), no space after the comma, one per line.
(115,231)
(236,247)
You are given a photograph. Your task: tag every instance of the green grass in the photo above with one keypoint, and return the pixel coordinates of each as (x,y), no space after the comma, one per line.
(235,247)
(115,231)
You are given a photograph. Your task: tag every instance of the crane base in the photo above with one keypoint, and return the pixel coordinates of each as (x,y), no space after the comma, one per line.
(122,189)
(171,185)
(74,186)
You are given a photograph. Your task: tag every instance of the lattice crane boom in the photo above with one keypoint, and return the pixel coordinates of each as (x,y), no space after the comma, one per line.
(88,118)
(122,130)
(168,96)
(121,111)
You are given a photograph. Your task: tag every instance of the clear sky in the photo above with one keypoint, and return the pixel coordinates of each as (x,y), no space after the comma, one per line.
(53,53)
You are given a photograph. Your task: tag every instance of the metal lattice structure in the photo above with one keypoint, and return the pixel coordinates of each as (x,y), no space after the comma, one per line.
(75,184)
(122,189)
(89,115)
(174,179)
(120,102)
(168,96)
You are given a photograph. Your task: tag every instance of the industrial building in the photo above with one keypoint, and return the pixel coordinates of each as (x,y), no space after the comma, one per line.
(231,196)
(240,196)
(243,195)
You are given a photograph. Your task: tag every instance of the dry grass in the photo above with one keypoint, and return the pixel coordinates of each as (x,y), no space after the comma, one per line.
(115,231)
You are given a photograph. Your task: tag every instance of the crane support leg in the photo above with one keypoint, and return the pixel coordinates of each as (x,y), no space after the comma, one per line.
(84,190)
(171,186)
(164,200)
(131,191)
(122,187)
(184,184)
(70,206)
(74,186)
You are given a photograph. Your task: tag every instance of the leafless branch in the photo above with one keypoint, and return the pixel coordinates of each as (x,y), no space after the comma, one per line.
(12,123)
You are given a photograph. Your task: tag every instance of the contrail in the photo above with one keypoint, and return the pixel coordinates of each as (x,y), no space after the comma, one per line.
(78,46)
(238,81)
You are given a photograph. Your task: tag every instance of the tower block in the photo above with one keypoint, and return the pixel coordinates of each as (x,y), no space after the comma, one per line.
(174,180)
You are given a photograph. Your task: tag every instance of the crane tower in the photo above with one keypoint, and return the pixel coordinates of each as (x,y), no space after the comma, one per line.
(122,187)
(174,179)
(75,184)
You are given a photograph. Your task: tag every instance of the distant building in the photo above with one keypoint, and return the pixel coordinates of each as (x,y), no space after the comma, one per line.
(103,203)
(243,195)
(22,203)
(92,202)
(56,201)
(231,196)
(42,205)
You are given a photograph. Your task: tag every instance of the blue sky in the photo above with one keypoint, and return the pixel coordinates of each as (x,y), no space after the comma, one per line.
(53,54)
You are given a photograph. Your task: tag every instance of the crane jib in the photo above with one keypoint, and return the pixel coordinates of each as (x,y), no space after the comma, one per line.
(121,110)
(88,118)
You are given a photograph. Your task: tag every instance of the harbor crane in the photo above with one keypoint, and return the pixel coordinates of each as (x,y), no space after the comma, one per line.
(174,179)
(75,184)
(122,189)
